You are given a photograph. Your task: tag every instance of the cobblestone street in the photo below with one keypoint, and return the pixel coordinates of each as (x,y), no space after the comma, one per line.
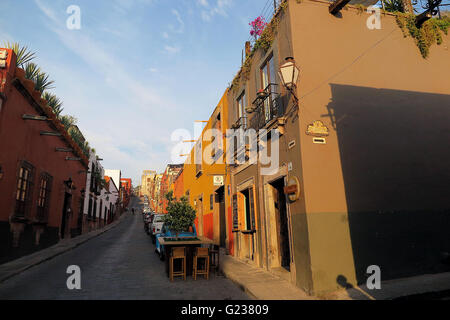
(119,264)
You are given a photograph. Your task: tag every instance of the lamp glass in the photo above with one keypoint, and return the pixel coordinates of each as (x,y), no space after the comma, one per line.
(287,73)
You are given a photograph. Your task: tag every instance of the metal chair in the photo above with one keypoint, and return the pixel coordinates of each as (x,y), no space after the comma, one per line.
(201,253)
(178,253)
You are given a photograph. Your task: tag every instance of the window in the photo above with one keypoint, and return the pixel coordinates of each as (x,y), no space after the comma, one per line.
(24,189)
(211,202)
(44,197)
(90,207)
(92,177)
(242,115)
(268,77)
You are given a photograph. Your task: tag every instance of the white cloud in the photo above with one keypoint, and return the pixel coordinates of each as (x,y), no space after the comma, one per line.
(137,124)
(180,22)
(220,8)
(203,3)
(171,49)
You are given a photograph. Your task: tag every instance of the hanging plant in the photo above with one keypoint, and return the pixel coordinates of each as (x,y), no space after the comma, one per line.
(258,25)
(425,36)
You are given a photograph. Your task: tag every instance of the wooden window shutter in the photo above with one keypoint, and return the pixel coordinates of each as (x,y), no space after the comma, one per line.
(242,212)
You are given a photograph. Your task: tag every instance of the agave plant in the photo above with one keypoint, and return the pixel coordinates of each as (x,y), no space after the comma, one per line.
(42,82)
(54,102)
(393,5)
(79,139)
(31,71)
(68,121)
(23,54)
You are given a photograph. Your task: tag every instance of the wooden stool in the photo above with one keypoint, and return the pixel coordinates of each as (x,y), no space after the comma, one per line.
(214,254)
(178,254)
(201,253)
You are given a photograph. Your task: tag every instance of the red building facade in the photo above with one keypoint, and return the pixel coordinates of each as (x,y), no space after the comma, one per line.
(42,170)
(127,190)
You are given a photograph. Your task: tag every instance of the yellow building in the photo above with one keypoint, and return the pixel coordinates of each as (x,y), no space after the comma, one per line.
(207,180)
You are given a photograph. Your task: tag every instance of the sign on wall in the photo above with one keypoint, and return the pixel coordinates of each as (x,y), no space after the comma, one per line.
(218,181)
(318,129)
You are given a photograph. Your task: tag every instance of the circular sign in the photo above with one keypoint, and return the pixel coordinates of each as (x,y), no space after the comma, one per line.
(292,190)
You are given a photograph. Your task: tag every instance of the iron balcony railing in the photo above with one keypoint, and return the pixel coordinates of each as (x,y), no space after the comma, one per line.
(267,107)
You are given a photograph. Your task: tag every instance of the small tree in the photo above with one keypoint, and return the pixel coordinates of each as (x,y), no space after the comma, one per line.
(180,214)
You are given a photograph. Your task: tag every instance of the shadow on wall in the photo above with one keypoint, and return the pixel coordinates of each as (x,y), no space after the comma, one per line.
(395,153)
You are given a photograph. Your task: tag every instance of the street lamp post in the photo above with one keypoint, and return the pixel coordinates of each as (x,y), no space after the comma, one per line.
(289,74)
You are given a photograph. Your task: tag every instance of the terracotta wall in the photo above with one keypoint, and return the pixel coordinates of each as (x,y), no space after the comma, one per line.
(21,140)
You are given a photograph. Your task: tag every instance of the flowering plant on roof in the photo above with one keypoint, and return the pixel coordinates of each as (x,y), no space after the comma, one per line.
(257,27)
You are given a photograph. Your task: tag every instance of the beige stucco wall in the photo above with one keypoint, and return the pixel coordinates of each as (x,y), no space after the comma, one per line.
(343,51)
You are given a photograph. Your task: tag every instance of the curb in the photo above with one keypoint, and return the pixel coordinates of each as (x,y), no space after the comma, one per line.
(239,284)
(12,269)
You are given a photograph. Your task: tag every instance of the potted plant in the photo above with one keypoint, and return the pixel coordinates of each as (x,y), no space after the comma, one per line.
(262,94)
(180,214)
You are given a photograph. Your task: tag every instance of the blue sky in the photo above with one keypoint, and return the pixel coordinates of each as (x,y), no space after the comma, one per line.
(138,69)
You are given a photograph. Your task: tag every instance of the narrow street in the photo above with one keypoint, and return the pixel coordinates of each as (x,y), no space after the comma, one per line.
(120,264)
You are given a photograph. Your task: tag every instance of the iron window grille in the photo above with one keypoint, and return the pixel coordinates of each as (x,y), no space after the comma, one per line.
(268,106)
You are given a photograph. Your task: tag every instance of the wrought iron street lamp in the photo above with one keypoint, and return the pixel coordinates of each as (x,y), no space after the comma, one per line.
(289,73)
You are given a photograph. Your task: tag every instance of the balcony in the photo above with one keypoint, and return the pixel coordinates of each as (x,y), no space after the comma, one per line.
(267,107)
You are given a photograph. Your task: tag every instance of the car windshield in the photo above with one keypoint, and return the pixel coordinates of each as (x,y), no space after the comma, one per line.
(158,219)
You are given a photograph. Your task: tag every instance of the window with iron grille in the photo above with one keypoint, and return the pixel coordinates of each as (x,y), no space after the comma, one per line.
(268,77)
(242,114)
(43,204)
(24,189)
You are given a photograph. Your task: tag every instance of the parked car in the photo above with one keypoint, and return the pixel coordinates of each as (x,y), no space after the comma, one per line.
(166,233)
(147,222)
(156,226)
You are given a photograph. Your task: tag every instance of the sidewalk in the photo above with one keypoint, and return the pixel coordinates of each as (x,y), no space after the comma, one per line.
(258,283)
(398,288)
(18,266)
(263,285)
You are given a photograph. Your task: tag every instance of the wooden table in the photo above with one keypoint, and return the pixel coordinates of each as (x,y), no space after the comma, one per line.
(190,250)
